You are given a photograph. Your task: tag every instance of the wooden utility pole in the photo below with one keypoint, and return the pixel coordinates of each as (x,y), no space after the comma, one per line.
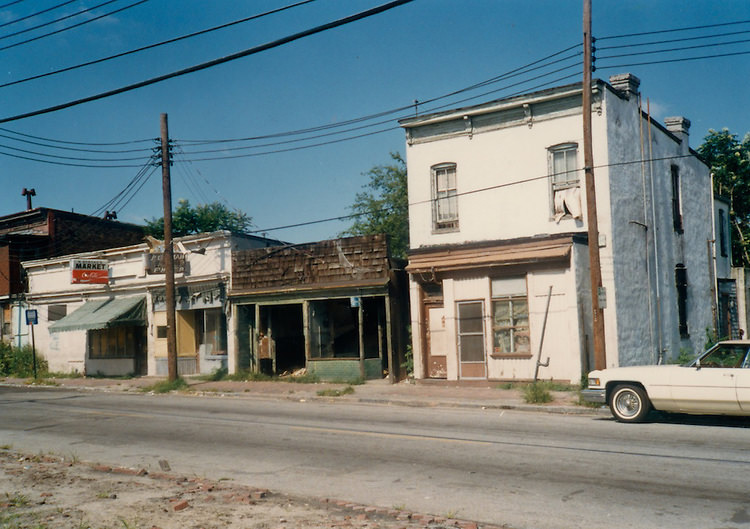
(166,184)
(597,291)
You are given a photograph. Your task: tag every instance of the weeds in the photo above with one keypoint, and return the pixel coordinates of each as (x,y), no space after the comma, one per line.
(16,499)
(537,392)
(165,386)
(348,390)
(19,362)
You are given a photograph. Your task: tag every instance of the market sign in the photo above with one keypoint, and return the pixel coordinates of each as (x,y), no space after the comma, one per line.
(89,271)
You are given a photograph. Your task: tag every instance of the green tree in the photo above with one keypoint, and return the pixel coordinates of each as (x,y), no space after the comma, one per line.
(384,206)
(202,218)
(729,159)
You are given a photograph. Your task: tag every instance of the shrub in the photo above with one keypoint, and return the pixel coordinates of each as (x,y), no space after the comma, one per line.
(19,362)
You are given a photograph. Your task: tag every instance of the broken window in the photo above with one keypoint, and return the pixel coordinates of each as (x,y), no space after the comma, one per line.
(334,329)
(676,202)
(444,197)
(56,312)
(565,181)
(211,329)
(681,282)
(510,316)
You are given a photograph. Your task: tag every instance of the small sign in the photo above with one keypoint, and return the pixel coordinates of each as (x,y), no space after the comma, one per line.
(89,271)
(602,293)
(155,263)
(31,317)
(354,301)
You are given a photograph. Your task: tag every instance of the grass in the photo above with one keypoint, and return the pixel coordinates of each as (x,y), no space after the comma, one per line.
(348,390)
(165,386)
(16,499)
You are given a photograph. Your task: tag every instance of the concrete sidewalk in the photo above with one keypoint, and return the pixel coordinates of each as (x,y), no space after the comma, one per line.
(429,393)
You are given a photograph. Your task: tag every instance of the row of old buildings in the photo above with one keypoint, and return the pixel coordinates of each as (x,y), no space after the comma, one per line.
(497,283)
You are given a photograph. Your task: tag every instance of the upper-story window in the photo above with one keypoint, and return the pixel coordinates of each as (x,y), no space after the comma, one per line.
(565,181)
(444,197)
(676,202)
(723,233)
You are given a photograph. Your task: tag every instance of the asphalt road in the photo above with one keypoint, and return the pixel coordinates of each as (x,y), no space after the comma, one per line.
(523,469)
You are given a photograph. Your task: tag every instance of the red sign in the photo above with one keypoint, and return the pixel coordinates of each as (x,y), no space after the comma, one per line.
(89,271)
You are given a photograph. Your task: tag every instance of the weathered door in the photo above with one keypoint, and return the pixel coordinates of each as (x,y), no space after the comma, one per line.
(471,350)
(437,350)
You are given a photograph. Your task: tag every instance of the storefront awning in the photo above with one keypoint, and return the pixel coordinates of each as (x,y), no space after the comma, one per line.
(102,314)
(467,258)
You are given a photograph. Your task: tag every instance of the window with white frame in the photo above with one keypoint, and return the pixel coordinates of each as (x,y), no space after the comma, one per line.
(444,197)
(565,181)
(510,317)
(211,329)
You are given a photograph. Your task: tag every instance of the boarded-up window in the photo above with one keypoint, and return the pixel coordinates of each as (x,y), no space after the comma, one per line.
(444,197)
(565,181)
(117,342)
(56,312)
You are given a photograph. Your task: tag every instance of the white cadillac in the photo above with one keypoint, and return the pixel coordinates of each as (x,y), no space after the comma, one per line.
(716,382)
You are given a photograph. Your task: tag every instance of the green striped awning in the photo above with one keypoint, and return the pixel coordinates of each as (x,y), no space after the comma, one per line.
(102,314)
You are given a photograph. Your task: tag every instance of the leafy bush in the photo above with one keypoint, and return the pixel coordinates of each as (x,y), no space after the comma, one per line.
(19,362)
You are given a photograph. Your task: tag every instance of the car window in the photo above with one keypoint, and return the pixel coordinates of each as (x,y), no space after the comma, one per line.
(725,356)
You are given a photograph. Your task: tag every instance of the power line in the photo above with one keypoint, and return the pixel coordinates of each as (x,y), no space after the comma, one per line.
(156,45)
(349,138)
(10,4)
(61,157)
(67,164)
(512,73)
(670,41)
(66,142)
(666,61)
(87,21)
(215,62)
(681,48)
(17,20)
(76,149)
(470,192)
(673,30)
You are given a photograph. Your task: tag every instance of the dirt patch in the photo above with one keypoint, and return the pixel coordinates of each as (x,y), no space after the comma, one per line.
(49,492)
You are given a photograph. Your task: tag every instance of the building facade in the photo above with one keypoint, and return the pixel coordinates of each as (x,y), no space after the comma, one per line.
(104,312)
(498,261)
(39,233)
(336,308)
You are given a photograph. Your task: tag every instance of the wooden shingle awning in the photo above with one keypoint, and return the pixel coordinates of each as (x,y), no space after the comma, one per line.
(491,255)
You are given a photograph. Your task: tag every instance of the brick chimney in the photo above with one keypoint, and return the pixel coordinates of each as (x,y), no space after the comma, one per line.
(625,83)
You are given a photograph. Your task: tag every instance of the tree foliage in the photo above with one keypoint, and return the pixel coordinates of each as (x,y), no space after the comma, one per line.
(202,218)
(384,206)
(729,159)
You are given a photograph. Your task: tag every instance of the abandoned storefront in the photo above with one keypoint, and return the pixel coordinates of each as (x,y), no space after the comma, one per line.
(335,308)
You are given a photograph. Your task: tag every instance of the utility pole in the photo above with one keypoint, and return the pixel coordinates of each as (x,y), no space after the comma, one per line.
(166,184)
(597,291)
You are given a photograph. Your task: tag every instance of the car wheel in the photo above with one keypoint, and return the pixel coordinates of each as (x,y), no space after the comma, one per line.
(629,403)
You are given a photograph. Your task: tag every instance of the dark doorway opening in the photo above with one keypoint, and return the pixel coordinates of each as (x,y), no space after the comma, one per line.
(282,339)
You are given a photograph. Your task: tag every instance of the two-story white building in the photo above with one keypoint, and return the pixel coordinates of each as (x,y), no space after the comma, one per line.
(498,260)
(104,312)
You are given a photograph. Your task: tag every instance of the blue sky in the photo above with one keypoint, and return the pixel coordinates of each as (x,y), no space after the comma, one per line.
(421,50)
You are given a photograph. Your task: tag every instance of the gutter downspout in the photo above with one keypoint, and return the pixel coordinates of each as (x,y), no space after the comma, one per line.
(646,230)
(659,333)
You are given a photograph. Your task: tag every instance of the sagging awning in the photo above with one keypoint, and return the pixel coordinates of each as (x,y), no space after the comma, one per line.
(103,314)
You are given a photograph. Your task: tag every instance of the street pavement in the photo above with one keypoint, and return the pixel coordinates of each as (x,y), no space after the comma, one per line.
(434,393)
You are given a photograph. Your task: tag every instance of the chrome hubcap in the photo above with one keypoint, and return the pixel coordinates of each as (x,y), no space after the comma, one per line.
(628,404)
